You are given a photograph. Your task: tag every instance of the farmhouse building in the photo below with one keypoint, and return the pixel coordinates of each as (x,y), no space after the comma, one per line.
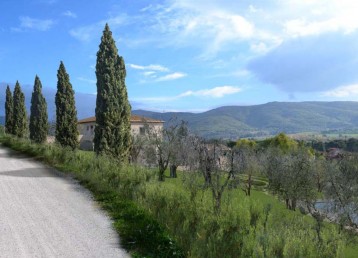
(86,128)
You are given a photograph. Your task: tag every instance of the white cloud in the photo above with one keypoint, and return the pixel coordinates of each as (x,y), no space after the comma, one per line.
(201,23)
(171,76)
(149,74)
(217,92)
(89,32)
(157,72)
(152,67)
(87,80)
(315,17)
(35,24)
(260,48)
(70,14)
(342,91)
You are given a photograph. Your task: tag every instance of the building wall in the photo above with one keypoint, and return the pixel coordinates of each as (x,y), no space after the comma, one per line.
(86,132)
(138,128)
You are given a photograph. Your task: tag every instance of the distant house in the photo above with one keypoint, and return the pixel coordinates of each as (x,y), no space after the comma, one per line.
(86,128)
(334,153)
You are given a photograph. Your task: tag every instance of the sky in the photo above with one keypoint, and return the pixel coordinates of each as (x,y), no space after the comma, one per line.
(189,55)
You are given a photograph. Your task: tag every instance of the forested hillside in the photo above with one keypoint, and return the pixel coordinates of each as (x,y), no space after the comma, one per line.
(231,122)
(267,119)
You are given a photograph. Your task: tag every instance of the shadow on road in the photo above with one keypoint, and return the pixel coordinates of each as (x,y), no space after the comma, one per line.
(30,172)
(13,154)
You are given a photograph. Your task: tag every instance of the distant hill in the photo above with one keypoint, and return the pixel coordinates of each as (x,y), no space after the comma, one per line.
(2,120)
(231,122)
(85,102)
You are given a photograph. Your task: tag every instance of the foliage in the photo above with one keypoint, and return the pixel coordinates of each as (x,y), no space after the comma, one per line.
(231,122)
(20,116)
(245,143)
(342,189)
(38,117)
(165,146)
(113,111)
(290,174)
(9,111)
(116,187)
(350,144)
(258,226)
(280,141)
(66,113)
(248,163)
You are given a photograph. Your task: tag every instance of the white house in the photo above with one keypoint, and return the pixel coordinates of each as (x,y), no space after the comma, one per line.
(86,128)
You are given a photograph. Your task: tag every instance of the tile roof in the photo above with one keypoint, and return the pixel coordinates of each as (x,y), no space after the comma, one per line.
(134,119)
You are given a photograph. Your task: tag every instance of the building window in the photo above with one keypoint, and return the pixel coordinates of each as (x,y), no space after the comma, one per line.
(91,127)
(141,130)
(87,127)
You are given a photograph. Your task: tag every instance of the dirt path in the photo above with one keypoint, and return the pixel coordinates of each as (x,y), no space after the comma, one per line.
(44,214)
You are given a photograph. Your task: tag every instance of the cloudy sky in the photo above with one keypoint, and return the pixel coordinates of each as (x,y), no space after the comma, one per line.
(186,55)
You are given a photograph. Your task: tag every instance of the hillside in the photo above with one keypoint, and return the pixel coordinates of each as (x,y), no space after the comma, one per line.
(271,118)
(231,122)
(85,102)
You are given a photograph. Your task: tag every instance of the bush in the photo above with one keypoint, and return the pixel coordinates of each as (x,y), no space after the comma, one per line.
(155,218)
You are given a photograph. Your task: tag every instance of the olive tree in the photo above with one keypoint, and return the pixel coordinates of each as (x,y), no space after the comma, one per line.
(248,162)
(162,146)
(290,174)
(342,189)
(217,163)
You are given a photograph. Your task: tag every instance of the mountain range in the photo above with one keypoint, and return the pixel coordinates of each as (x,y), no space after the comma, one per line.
(231,122)
(85,102)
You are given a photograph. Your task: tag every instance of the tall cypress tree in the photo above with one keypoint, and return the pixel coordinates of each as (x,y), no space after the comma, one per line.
(38,116)
(20,116)
(66,113)
(113,111)
(9,111)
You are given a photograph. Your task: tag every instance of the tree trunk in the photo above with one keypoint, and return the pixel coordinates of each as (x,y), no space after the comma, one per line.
(293,204)
(173,171)
(249,185)
(217,203)
(161,174)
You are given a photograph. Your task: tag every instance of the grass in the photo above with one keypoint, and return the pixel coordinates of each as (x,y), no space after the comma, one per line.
(263,198)
(140,233)
(175,218)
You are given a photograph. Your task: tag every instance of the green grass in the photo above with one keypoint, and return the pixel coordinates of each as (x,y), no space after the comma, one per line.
(175,218)
(140,233)
(264,198)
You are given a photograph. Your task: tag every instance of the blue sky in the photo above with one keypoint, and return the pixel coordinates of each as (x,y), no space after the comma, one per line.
(184,55)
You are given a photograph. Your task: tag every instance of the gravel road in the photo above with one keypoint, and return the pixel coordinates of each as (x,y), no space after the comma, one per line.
(45,214)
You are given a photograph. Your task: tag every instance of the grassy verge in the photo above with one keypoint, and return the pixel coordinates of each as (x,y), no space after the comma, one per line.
(140,233)
(154,218)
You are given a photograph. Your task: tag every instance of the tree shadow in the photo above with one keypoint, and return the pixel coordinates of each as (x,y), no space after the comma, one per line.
(14,155)
(30,172)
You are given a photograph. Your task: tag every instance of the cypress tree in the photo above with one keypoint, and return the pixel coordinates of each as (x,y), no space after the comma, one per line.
(38,116)
(66,113)
(9,111)
(113,111)
(20,116)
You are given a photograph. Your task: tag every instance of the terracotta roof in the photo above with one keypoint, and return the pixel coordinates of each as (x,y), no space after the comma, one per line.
(134,119)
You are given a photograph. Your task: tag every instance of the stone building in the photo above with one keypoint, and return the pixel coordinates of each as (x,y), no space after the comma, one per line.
(138,124)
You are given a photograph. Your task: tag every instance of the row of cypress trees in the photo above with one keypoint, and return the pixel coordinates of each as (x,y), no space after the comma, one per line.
(15,111)
(16,121)
(113,111)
